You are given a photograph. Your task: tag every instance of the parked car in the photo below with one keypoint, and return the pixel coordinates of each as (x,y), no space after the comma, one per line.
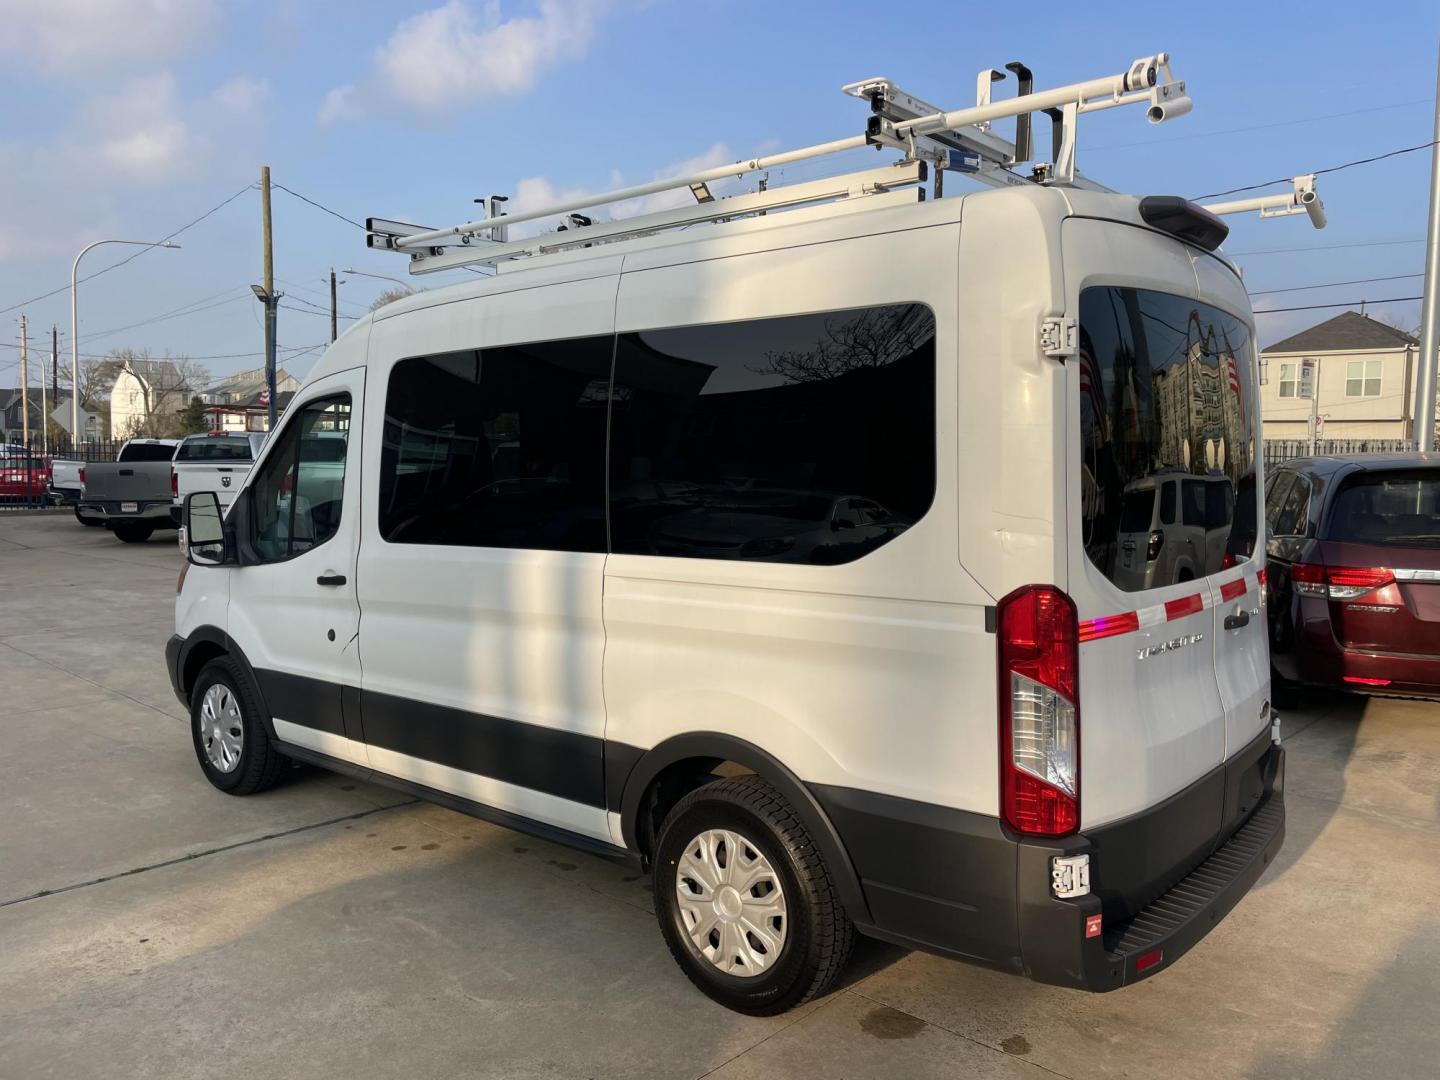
(1353,563)
(132,495)
(216,461)
(1174,529)
(65,482)
(799,739)
(24,478)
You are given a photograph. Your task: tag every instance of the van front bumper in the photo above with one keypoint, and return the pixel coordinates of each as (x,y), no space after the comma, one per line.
(962,885)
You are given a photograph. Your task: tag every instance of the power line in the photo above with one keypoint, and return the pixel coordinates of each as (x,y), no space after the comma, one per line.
(1320,172)
(319,206)
(1325,247)
(317,312)
(1260,127)
(1347,303)
(192,308)
(1332,284)
(131,258)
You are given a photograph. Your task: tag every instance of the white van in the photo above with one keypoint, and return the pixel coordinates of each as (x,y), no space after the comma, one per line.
(757,556)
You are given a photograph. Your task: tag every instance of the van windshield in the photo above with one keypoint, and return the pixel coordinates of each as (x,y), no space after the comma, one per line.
(1166,386)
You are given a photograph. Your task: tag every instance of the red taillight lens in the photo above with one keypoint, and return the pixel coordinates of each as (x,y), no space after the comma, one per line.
(174,483)
(1228,560)
(1039,711)
(1339,582)
(82,476)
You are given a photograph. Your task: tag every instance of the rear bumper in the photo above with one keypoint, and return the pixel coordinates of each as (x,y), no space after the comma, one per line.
(961,885)
(1324,662)
(152,511)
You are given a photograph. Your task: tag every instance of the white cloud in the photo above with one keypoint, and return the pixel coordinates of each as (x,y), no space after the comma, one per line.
(71,35)
(138,131)
(537,192)
(242,96)
(453,56)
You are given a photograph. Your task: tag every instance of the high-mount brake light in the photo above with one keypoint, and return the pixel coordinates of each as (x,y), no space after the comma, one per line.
(1039,705)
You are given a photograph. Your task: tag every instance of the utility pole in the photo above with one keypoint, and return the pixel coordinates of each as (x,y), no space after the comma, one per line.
(55,375)
(1430,306)
(269,298)
(24,388)
(333,313)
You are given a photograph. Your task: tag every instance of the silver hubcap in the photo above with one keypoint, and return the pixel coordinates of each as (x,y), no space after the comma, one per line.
(731,903)
(221,731)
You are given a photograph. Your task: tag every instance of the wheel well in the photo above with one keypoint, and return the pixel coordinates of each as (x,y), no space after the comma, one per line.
(200,654)
(672,784)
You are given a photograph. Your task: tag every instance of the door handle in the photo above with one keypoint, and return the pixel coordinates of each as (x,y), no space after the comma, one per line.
(1236,621)
(331,578)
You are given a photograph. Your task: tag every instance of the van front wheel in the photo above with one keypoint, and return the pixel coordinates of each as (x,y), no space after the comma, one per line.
(231,745)
(745,900)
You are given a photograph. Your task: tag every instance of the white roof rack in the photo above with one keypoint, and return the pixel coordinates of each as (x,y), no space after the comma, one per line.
(1304,199)
(927,137)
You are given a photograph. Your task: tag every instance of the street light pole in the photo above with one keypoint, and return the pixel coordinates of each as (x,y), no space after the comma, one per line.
(1430,305)
(271,300)
(75,323)
(381,277)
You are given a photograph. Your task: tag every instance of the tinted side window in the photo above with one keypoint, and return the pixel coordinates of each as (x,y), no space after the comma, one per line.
(221,449)
(499,447)
(297,501)
(1295,510)
(1167,386)
(1167,503)
(806,439)
(1278,487)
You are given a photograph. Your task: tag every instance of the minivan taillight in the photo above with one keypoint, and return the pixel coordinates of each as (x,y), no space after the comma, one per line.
(1039,711)
(1339,582)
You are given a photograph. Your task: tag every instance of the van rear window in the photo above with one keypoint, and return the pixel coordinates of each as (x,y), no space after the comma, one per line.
(1166,394)
(1400,508)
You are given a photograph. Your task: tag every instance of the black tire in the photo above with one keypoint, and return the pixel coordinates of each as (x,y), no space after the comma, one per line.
(819,933)
(90,522)
(132,532)
(259,764)
(1284,694)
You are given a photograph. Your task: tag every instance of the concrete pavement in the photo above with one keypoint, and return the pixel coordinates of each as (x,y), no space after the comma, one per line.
(150,926)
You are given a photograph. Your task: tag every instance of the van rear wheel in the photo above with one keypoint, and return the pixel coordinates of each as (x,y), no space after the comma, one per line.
(234,752)
(745,900)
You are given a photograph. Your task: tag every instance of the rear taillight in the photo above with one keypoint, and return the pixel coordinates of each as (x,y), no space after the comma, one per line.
(174,484)
(1039,711)
(1339,582)
(82,476)
(1157,541)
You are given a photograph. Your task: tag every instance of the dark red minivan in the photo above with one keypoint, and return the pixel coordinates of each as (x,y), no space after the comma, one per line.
(1353,568)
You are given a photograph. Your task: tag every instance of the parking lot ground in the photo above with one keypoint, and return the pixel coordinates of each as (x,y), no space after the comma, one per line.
(151,926)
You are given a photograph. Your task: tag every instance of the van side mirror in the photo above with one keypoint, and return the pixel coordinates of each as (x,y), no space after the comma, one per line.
(204,529)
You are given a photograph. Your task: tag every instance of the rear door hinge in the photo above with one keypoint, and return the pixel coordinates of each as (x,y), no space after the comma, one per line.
(1059,337)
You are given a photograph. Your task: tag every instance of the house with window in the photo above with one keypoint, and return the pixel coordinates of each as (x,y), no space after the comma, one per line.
(1364,376)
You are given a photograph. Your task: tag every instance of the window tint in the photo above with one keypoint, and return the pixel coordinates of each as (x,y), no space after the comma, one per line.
(807,439)
(217,449)
(1277,488)
(1167,386)
(298,490)
(1294,512)
(1167,503)
(498,447)
(146,452)
(1138,509)
(1400,508)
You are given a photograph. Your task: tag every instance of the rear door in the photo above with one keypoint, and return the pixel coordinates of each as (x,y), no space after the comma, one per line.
(1381,549)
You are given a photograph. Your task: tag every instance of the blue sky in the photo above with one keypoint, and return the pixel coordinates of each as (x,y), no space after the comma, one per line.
(129,119)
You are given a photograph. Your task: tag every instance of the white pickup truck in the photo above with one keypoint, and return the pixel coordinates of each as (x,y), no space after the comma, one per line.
(215,462)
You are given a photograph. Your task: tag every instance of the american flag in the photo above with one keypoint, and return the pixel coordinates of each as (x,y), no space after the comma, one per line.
(1094,391)
(1232,376)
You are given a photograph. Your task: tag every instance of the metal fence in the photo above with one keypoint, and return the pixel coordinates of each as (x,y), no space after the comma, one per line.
(1278,450)
(27,470)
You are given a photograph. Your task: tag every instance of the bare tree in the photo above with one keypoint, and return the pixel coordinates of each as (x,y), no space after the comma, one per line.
(389,296)
(96,379)
(171,381)
(871,339)
(1395,322)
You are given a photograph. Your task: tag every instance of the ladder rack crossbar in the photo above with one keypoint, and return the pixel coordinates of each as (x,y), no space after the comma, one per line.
(886,178)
